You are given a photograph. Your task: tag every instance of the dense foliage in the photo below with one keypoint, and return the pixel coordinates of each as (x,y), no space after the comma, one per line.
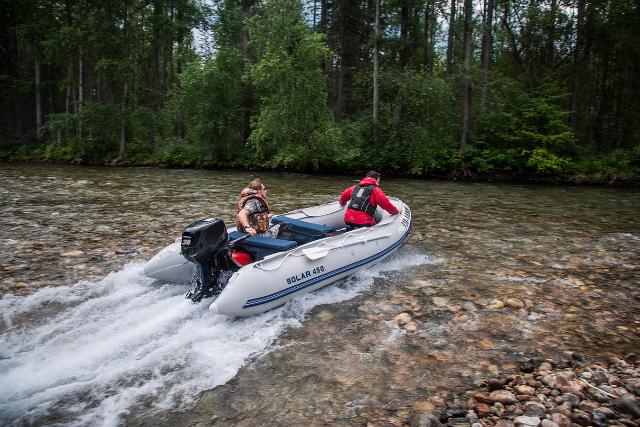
(524,88)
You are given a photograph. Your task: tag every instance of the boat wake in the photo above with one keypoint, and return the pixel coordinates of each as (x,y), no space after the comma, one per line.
(93,352)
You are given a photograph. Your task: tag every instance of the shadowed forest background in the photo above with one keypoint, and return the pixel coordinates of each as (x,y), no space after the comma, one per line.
(492,88)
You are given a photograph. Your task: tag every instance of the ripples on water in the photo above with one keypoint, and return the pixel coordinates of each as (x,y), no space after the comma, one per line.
(569,254)
(99,349)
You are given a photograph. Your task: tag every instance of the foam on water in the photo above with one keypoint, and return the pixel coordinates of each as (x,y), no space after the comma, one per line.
(91,352)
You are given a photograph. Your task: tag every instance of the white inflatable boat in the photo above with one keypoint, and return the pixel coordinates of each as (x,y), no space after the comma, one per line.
(313,252)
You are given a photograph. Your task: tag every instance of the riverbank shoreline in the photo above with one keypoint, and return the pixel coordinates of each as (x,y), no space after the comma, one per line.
(586,179)
(549,393)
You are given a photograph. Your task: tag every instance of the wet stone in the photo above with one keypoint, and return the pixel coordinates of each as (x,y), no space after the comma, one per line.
(495,305)
(483,410)
(628,405)
(402,319)
(581,418)
(503,396)
(513,303)
(525,390)
(599,419)
(535,409)
(561,419)
(526,421)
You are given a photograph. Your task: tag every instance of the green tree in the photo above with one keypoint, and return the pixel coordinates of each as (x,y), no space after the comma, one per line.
(294,128)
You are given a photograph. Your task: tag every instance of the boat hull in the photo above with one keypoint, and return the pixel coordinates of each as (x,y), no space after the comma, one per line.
(281,277)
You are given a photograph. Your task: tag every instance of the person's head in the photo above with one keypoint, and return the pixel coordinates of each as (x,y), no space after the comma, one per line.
(256,184)
(375,175)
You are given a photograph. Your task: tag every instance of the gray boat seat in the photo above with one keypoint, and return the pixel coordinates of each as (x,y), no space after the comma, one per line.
(259,247)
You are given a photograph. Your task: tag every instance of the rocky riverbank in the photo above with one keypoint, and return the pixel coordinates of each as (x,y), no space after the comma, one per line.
(549,393)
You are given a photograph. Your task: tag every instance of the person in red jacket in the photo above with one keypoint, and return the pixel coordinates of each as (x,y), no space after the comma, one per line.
(363,199)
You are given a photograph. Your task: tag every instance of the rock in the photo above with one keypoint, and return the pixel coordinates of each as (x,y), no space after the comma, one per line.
(558,381)
(545,367)
(526,421)
(74,253)
(402,319)
(627,405)
(561,420)
(459,422)
(514,303)
(472,417)
(503,396)
(482,409)
(463,318)
(325,315)
(548,423)
(627,422)
(588,406)
(527,367)
(599,419)
(439,301)
(525,390)
(493,370)
(496,304)
(455,413)
(607,412)
(571,398)
(494,383)
(411,326)
(482,397)
(565,408)
(485,344)
(581,417)
(599,377)
(534,409)
(425,406)
(503,423)
(572,390)
(424,419)
(498,408)
(469,306)
(586,375)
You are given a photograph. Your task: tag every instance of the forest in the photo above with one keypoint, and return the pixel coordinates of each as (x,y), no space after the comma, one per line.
(509,89)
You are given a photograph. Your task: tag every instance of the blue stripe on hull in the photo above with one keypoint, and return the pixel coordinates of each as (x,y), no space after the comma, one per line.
(272,297)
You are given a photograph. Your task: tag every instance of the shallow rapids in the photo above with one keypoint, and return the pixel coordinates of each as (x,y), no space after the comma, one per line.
(495,274)
(87,354)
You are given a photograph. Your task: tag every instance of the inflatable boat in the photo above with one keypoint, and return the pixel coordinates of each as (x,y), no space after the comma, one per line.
(250,275)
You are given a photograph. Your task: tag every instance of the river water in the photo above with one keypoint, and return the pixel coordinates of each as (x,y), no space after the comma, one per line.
(86,340)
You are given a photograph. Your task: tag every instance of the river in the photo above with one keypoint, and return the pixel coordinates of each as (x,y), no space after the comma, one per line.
(491,275)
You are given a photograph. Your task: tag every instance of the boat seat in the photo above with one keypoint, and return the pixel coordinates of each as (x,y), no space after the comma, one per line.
(259,246)
(304,226)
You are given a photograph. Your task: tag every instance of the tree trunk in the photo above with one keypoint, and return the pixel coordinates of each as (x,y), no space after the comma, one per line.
(80,90)
(487,45)
(468,48)
(428,36)
(123,123)
(247,102)
(450,38)
(38,96)
(404,33)
(551,33)
(576,82)
(376,71)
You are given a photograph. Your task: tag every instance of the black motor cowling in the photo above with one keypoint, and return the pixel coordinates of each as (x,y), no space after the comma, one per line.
(205,242)
(203,239)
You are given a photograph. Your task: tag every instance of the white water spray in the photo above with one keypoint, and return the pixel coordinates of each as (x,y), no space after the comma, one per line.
(88,354)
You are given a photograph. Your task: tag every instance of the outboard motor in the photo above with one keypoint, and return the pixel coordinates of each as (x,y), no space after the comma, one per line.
(205,242)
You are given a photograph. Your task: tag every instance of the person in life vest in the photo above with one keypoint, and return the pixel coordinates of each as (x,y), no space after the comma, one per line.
(253,211)
(363,199)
